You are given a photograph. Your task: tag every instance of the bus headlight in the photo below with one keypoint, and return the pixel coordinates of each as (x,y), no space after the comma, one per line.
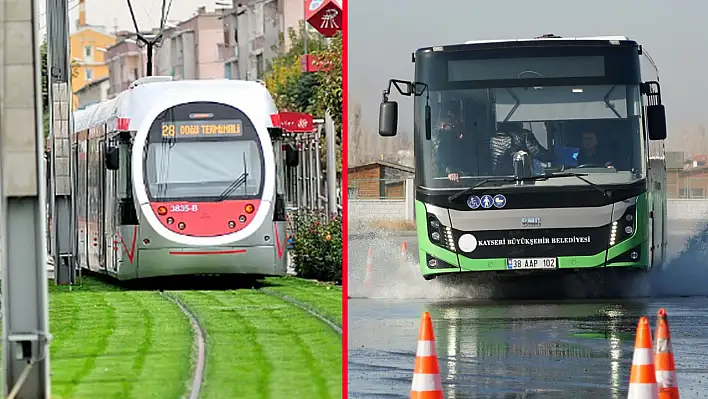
(624,227)
(439,234)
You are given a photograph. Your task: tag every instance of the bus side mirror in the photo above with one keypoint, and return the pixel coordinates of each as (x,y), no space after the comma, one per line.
(291,156)
(388,118)
(656,119)
(112,158)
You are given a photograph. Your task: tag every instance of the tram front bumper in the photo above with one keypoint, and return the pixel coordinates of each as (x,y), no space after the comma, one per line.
(256,260)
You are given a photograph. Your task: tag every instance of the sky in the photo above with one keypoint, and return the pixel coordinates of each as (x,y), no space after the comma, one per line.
(147,12)
(384,33)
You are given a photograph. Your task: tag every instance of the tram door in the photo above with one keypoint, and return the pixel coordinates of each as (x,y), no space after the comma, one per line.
(110,213)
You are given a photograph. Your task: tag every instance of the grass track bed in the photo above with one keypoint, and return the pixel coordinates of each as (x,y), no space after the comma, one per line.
(259,346)
(325,299)
(110,343)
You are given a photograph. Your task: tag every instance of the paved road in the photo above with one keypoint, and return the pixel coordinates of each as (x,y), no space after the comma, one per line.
(514,349)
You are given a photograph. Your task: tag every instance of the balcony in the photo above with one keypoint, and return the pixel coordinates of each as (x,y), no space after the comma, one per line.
(227,53)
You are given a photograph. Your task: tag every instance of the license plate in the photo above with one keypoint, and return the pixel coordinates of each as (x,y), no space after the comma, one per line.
(531,263)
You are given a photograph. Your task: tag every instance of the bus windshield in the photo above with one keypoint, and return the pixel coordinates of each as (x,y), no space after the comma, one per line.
(593,129)
(203,152)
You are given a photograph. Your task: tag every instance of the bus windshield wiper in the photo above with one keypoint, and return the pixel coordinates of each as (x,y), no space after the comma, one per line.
(469,190)
(240,181)
(607,193)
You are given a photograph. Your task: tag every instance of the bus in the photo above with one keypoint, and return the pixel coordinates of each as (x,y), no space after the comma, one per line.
(180,178)
(541,155)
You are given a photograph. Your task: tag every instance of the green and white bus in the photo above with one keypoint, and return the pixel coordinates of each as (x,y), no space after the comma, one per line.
(536,155)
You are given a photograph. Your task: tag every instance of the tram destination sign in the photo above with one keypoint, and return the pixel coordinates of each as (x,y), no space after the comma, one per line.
(194,129)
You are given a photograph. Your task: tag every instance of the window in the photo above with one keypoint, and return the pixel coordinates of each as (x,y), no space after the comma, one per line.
(88,52)
(89,74)
(258,21)
(698,193)
(260,66)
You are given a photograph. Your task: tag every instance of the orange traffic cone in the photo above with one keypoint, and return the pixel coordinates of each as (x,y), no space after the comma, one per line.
(426,374)
(404,254)
(368,277)
(664,359)
(642,379)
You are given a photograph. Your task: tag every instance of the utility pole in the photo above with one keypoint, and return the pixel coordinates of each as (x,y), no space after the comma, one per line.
(61,206)
(145,39)
(330,136)
(23,252)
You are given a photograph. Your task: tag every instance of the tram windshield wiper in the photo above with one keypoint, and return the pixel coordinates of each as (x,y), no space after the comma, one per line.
(240,181)
(512,179)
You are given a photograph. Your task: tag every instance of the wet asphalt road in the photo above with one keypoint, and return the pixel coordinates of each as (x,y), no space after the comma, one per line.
(521,349)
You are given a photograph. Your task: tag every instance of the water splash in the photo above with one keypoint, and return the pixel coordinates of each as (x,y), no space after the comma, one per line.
(397,277)
(686,272)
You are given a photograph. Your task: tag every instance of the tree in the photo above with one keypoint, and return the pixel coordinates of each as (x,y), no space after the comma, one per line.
(313,93)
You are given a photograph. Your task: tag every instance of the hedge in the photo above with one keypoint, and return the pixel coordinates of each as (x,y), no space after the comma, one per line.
(317,247)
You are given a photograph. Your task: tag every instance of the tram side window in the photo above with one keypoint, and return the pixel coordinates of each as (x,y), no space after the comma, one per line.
(124,171)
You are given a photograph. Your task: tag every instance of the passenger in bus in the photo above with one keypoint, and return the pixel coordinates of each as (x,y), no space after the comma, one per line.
(510,138)
(590,153)
(451,149)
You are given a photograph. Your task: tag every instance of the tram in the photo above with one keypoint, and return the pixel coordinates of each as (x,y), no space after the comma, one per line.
(180,178)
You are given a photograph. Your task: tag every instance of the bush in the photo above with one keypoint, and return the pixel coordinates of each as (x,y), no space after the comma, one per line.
(317,247)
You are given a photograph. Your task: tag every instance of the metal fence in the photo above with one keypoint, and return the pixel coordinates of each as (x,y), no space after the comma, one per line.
(306,186)
(377,189)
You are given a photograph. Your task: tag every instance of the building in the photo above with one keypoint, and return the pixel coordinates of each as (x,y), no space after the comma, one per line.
(252,32)
(191,50)
(378,180)
(675,161)
(93,92)
(127,62)
(87,47)
(686,178)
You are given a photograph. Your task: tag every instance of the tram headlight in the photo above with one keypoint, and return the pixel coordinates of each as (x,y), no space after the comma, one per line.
(181,225)
(162,211)
(232,224)
(250,208)
(242,218)
(170,220)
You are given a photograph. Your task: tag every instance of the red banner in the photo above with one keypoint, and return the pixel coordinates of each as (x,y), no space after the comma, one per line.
(324,15)
(312,63)
(295,122)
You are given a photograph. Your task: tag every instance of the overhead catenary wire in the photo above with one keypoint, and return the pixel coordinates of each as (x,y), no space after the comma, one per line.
(150,44)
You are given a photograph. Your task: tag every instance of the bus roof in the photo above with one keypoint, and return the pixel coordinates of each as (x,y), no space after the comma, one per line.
(545,39)
(589,38)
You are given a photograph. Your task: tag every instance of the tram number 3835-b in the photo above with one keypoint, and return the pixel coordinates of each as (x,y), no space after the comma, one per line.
(184,208)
